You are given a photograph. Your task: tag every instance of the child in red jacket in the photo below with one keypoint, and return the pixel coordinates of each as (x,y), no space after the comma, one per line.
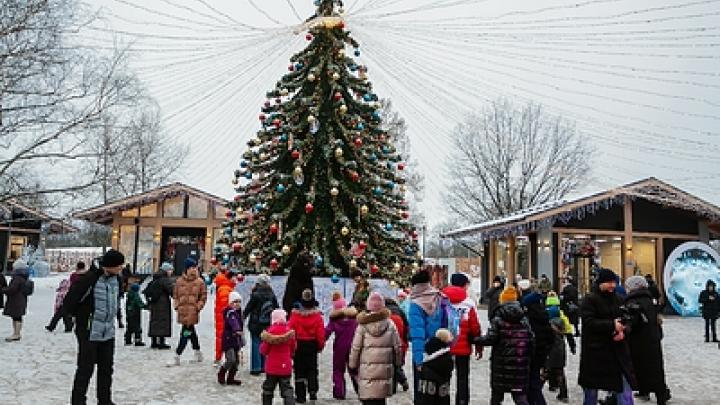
(469,329)
(278,345)
(309,327)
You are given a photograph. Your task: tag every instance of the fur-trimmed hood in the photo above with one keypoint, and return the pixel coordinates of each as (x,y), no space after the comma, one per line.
(376,323)
(306,311)
(274,339)
(349,312)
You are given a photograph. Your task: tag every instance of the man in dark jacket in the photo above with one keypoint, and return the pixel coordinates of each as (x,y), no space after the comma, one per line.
(16,304)
(492,296)
(644,336)
(654,291)
(159,298)
(534,306)
(709,299)
(570,304)
(94,300)
(605,362)
(258,310)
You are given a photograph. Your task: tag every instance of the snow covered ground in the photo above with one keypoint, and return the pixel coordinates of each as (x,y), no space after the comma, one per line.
(39,369)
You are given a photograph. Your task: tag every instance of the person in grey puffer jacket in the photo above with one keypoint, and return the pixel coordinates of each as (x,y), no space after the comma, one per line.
(375,352)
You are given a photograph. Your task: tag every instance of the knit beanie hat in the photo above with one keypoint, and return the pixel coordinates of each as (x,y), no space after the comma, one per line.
(420,277)
(338,301)
(278,316)
(135,287)
(307,299)
(635,283)
(112,258)
(531,299)
(19,264)
(605,275)
(190,262)
(375,302)
(234,296)
(263,279)
(497,279)
(459,280)
(509,294)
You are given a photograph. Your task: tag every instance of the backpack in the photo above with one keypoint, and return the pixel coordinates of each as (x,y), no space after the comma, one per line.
(265,312)
(451,319)
(28,288)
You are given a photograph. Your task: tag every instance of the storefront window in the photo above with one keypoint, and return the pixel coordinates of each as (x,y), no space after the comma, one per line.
(217,235)
(148,211)
(17,244)
(197,208)
(131,213)
(501,250)
(610,253)
(145,250)
(522,257)
(174,207)
(220,211)
(127,242)
(644,254)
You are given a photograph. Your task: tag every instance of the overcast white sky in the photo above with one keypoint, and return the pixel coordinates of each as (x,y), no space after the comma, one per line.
(640,78)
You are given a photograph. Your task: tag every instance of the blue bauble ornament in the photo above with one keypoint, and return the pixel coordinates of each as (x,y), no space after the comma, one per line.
(390,184)
(298,66)
(360,126)
(228,231)
(353,67)
(248,175)
(319,261)
(335,279)
(357,52)
(283,138)
(317,2)
(243,163)
(367,97)
(373,157)
(258,206)
(389,166)
(389,227)
(376,116)
(280,188)
(378,191)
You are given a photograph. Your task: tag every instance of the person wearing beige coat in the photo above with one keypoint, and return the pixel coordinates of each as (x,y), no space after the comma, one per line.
(375,352)
(190,295)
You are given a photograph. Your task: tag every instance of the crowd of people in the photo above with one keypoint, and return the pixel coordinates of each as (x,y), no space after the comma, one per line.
(529,331)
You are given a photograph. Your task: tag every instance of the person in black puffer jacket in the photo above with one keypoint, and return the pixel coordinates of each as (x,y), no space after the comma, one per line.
(159,298)
(258,310)
(644,334)
(570,304)
(534,306)
(511,339)
(710,301)
(17,301)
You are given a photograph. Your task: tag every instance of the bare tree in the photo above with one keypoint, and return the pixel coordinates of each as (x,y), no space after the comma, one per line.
(52,95)
(507,158)
(396,128)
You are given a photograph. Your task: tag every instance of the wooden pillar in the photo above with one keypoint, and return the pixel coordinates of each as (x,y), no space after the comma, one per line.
(157,235)
(629,258)
(492,259)
(510,264)
(660,263)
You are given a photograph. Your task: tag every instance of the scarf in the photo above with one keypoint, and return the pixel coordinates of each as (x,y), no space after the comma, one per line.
(426,296)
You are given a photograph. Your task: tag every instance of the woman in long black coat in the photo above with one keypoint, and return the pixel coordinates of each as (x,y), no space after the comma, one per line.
(298,280)
(644,336)
(158,294)
(16,304)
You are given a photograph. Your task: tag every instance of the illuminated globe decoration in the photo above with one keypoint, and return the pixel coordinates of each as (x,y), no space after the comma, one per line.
(687,270)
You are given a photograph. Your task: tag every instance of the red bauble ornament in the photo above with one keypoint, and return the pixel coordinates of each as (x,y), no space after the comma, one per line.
(362,244)
(291,67)
(236,246)
(277,122)
(309,208)
(405,215)
(341,25)
(381,138)
(278,100)
(374,269)
(267,103)
(309,37)
(295,154)
(358,142)
(273,228)
(354,176)
(262,117)
(401,166)
(214,261)
(414,234)
(338,96)
(237,197)
(274,264)
(240,278)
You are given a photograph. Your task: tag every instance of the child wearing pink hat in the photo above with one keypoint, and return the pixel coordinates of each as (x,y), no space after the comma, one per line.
(342,322)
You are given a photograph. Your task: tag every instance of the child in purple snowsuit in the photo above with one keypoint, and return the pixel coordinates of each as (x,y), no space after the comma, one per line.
(342,323)
(232,340)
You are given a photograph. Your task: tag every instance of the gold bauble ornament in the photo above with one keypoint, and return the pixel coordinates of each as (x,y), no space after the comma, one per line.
(364,210)
(252,257)
(341,53)
(336,76)
(257,141)
(396,266)
(284,92)
(353,263)
(345,231)
(297,171)
(403,188)
(263,156)
(416,266)
(334,192)
(393,284)
(311,118)
(239,211)
(286,250)
(338,152)
(343,109)
(311,77)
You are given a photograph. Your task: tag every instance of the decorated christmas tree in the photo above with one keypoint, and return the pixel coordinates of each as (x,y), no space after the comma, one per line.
(322,177)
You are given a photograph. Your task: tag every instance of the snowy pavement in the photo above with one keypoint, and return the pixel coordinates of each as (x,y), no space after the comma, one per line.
(39,369)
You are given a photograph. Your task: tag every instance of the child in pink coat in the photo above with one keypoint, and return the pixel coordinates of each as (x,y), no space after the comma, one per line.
(278,346)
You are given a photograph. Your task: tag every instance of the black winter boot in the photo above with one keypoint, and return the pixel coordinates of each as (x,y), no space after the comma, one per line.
(231,378)
(221,375)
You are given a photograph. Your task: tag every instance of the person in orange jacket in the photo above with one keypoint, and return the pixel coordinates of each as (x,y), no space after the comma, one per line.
(224,285)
